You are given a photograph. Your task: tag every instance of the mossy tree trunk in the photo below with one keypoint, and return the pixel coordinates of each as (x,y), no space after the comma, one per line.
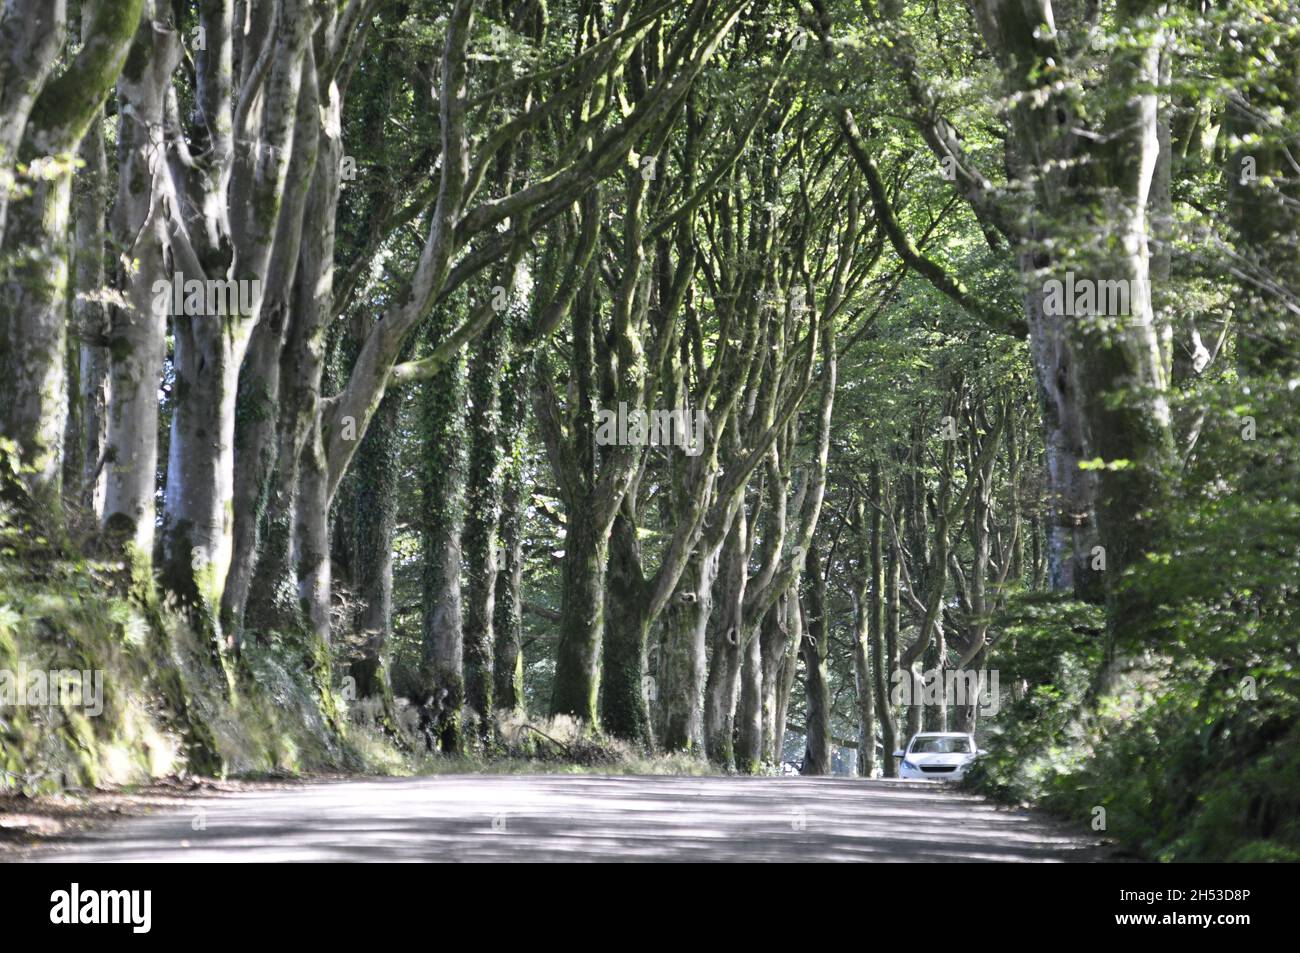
(788,670)
(239,196)
(624,707)
(774,639)
(974,598)
(893,615)
(815,650)
(867,616)
(280,384)
(136,339)
(507,622)
(593,479)
(878,608)
(376,474)
(285,592)
(482,523)
(88,352)
(258,412)
(722,688)
(682,668)
(442,490)
(36,251)
(32,33)
(749,706)
(582,618)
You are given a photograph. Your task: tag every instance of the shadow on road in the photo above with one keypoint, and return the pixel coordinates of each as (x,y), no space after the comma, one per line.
(584,817)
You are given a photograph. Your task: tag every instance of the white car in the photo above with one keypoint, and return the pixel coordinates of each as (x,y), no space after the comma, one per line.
(938,756)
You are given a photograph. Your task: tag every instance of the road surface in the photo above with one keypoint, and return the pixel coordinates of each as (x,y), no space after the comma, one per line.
(582,818)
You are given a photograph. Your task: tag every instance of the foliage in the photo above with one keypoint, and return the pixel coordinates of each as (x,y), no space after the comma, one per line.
(61,609)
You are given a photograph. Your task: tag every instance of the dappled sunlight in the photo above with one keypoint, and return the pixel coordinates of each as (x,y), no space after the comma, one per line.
(549,817)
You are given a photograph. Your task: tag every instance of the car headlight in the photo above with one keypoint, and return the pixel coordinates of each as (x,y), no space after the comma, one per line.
(909,764)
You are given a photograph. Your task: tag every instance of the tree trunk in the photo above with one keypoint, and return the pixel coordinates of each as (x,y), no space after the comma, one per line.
(1071,492)
(33,325)
(582,619)
(137,337)
(297,511)
(90,316)
(32,33)
(789,667)
(749,710)
(482,518)
(443,492)
(33,394)
(259,398)
(93,318)
(260,209)
(774,639)
(886,674)
(876,608)
(198,519)
(507,623)
(376,473)
(682,662)
(864,689)
(723,685)
(815,648)
(624,711)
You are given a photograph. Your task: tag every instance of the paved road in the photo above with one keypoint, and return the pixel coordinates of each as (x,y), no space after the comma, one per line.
(584,817)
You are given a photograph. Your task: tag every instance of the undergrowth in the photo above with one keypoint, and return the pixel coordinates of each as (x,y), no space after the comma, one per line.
(146,698)
(1179,760)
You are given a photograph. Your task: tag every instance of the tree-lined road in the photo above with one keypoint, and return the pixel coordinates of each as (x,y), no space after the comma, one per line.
(585,818)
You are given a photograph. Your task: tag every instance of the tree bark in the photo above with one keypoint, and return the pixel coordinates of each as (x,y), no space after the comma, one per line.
(789,666)
(507,625)
(749,708)
(33,325)
(868,632)
(723,685)
(682,651)
(582,617)
(138,332)
(376,472)
(815,649)
(90,313)
(443,505)
(32,33)
(482,518)
(774,641)
(245,197)
(624,710)
(888,675)
(878,607)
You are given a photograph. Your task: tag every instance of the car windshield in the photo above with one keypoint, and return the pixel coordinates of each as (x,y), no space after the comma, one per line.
(941,745)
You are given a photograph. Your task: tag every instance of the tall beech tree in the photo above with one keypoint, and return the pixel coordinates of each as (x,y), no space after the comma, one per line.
(1086,155)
